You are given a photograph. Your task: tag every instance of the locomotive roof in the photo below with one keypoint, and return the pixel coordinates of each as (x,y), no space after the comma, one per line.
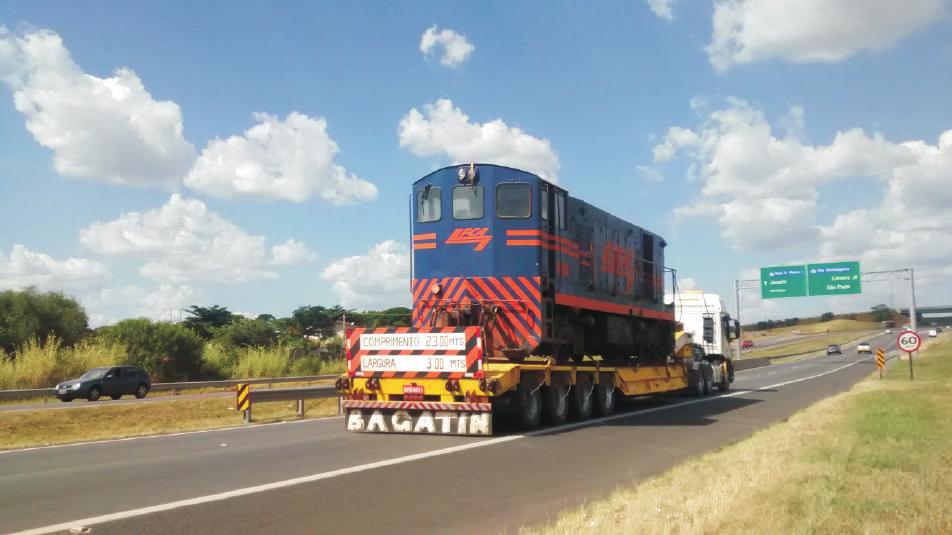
(477,164)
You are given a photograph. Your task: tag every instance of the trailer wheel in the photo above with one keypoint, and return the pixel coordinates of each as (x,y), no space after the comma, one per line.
(605,397)
(708,380)
(529,405)
(555,401)
(583,398)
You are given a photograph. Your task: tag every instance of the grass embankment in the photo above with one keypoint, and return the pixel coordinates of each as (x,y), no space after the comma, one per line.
(814,343)
(41,428)
(821,327)
(877,459)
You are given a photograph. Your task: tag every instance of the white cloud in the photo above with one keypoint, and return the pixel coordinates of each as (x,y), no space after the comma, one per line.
(455,47)
(442,129)
(184,241)
(747,31)
(650,174)
(763,189)
(100,129)
(25,268)
(291,252)
(663,8)
(163,303)
(381,278)
(288,160)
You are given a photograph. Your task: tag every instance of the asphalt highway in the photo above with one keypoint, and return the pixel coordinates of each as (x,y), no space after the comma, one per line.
(312,476)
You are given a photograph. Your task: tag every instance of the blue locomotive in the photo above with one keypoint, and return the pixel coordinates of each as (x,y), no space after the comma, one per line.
(542,272)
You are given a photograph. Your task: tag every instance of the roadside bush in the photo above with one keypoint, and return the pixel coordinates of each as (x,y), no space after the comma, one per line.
(27,315)
(244,332)
(218,362)
(168,351)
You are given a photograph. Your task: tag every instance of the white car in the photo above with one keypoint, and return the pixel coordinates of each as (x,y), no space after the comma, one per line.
(863,347)
(933,333)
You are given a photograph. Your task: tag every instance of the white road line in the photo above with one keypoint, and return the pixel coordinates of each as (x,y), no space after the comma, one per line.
(180,433)
(122,515)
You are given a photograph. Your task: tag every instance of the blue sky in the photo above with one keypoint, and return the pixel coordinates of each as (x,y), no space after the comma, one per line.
(155,155)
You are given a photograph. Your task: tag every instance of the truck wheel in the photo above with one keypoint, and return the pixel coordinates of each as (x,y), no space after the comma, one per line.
(529,405)
(555,400)
(708,380)
(725,384)
(605,397)
(583,398)
(697,382)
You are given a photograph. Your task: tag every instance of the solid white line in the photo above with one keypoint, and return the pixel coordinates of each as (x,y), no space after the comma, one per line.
(178,434)
(394,461)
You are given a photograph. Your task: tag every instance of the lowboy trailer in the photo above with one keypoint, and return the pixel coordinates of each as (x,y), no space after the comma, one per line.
(439,381)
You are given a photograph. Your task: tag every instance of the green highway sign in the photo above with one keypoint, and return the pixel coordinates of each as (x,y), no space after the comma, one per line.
(834,279)
(783,281)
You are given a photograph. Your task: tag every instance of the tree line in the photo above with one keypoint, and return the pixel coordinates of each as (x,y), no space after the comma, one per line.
(173,351)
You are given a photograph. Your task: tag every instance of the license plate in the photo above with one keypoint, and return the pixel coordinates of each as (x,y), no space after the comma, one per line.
(412,390)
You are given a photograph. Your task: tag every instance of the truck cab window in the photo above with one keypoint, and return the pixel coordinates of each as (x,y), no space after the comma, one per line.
(468,202)
(428,205)
(513,200)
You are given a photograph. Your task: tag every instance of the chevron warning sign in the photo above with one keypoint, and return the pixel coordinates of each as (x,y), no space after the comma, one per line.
(881,360)
(244,400)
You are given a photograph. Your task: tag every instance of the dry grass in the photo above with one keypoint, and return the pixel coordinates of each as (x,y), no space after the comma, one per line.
(40,428)
(39,366)
(877,459)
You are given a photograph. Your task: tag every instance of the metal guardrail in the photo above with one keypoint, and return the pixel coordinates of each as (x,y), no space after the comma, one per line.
(288,394)
(174,388)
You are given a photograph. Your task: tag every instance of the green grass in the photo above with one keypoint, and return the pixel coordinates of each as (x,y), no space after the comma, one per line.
(41,428)
(876,459)
(835,325)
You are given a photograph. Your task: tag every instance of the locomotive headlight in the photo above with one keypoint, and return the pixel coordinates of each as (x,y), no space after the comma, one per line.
(461,174)
(435,289)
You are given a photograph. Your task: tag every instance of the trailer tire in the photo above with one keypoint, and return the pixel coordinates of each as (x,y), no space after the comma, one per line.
(528,405)
(555,404)
(605,397)
(708,380)
(583,398)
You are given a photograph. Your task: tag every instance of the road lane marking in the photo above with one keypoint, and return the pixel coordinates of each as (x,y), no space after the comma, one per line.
(122,515)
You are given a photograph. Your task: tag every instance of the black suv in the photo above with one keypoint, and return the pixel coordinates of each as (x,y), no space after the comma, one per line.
(114,382)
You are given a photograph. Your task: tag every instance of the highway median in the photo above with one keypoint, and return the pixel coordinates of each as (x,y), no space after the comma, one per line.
(876,459)
(31,428)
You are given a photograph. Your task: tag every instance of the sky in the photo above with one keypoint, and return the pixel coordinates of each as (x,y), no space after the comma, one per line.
(259,156)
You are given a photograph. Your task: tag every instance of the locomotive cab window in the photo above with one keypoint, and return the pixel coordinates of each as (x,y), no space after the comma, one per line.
(428,205)
(468,202)
(513,200)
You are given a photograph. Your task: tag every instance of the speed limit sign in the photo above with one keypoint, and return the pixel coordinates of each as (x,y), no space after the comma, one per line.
(908,341)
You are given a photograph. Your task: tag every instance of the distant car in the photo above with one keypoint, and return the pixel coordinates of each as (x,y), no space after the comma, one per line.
(863,347)
(938,330)
(115,382)
(797,332)
(933,333)
(833,349)
(747,344)
(888,331)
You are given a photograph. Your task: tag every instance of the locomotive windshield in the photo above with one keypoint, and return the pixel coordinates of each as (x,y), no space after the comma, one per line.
(428,203)
(468,202)
(513,200)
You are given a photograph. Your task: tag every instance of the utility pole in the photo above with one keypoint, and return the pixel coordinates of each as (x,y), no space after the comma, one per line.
(913,320)
(737,302)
